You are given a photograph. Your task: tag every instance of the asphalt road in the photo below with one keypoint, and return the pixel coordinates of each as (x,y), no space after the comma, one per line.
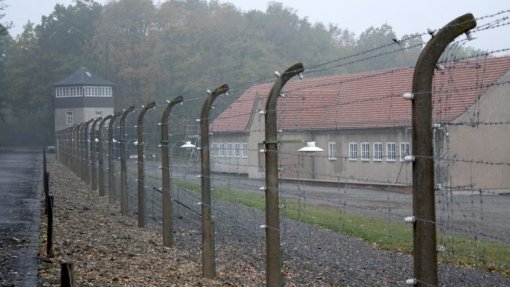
(20,191)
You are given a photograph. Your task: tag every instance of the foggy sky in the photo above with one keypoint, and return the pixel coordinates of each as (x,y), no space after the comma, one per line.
(405,16)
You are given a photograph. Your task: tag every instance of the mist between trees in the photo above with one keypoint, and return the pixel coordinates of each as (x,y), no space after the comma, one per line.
(156,52)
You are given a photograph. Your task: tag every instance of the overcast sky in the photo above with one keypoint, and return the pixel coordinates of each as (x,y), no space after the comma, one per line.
(405,16)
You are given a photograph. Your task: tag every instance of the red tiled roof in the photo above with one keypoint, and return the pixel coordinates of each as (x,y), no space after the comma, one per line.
(366,100)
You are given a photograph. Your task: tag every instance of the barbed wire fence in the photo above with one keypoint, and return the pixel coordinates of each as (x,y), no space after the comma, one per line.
(342,209)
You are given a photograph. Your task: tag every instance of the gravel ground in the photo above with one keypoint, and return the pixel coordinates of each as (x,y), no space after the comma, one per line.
(109,250)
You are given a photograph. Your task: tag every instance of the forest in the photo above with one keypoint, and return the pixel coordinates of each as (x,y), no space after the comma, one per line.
(157,52)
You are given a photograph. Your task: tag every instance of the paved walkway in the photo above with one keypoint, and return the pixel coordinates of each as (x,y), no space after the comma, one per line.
(20,193)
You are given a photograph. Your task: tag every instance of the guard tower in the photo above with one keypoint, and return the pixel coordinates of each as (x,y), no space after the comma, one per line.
(82,96)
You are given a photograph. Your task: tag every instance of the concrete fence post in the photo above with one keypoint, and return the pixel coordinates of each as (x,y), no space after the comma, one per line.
(124,196)
(140,164)
(100,143)
(85,152)
(93,154)
(111,155)
(424,229)
(168,238)
(273,249)
(208,257)
(69,148)
(72,149)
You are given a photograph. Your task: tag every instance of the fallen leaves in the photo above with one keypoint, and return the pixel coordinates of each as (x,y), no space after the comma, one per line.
(108,249)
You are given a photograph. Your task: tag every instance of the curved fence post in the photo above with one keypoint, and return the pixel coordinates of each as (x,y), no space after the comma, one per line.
(85,152)
(100,142)
(124,196)
(424,229)
(168,237)
(273,250)
(140,164)
(69,146)
(93,154)
(208,258)
(111,155)
(74,148)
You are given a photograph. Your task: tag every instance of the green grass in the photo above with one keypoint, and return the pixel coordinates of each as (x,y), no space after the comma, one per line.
(380,233)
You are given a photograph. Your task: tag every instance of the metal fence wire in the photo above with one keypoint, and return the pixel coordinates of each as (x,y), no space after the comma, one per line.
(376,187)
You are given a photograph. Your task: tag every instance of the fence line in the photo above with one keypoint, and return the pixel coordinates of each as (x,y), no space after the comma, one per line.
(298,188)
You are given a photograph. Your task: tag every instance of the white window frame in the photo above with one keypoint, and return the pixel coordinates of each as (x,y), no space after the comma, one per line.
(244,152)
(391,153)
(214,149)
(237,150)
(365,151)
(69,118)
(378,151)
(222,150)
(332,150)
(353,152)
(402,150)
(229,149)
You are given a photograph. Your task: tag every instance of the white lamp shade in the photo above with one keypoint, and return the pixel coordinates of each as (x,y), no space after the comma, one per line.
(188,144)
(310,147)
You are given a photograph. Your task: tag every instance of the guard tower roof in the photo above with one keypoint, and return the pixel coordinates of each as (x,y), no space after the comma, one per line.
(83,77)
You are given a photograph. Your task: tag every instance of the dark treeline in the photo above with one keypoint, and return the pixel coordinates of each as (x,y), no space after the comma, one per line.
(158,52)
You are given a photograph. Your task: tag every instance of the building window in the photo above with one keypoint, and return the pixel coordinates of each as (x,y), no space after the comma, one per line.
(237,150)
(222,150)
(365,151)
(391,151)
(332,150)
(404,150)
(353,151)
(229,149)
(214,150)
(377,151)
(99,114)
(69,118)
(244,152)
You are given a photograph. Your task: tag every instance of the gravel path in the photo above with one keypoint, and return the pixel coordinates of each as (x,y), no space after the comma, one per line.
(312,256)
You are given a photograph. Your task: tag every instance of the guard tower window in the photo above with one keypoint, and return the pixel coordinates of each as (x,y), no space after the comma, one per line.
(69,118)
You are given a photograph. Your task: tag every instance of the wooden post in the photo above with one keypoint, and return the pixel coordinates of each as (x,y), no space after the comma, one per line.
(67,274)
(46,192)
(49,234)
